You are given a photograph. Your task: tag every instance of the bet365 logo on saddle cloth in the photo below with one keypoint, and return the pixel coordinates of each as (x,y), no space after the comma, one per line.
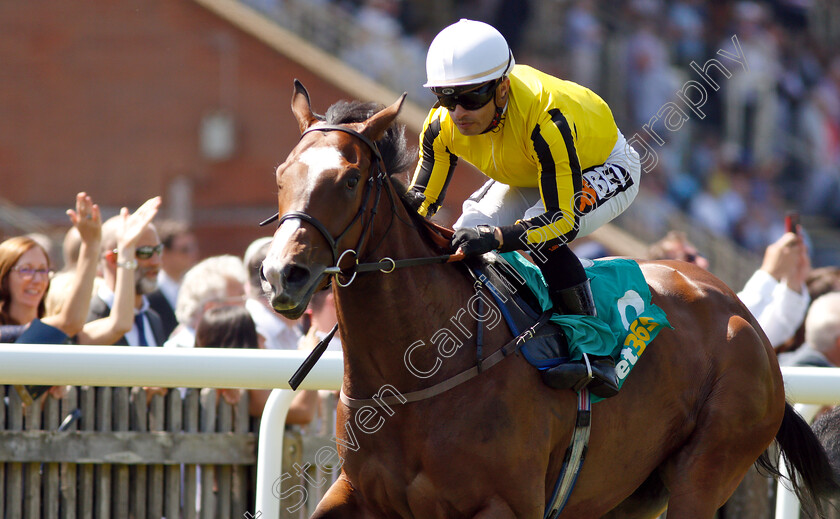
(639,332)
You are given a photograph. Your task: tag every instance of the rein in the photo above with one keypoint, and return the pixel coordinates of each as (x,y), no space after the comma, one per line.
(385,265)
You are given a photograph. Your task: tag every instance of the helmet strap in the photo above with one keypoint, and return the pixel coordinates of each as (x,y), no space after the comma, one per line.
(497,117)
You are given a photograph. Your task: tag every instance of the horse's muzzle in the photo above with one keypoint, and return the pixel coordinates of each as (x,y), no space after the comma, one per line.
(289,288)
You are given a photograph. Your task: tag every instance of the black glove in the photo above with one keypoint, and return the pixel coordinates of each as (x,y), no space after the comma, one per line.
(415,199)
(473,242)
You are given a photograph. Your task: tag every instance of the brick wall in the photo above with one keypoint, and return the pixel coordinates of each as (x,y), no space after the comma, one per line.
(108,97)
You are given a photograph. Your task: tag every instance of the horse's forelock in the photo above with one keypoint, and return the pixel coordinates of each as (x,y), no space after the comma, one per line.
(393,145)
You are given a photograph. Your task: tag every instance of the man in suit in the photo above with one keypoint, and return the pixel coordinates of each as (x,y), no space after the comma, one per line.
(141,261)
(180,253)
(822,335)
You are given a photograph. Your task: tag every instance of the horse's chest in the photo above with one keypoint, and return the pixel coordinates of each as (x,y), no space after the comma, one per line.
(394,491)
(442,465)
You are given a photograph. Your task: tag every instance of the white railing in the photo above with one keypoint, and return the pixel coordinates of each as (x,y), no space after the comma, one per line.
(259,369)
(50,364)
(47,364)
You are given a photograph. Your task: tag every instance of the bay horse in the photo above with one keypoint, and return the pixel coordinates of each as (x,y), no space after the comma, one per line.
(697,411)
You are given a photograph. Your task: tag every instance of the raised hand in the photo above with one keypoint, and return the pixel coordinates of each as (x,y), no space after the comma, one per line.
(787,260)
(87,218)
(134,223)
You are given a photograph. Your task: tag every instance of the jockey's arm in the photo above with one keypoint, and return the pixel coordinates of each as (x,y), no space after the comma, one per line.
(559,180)
(434,169)
(533,233)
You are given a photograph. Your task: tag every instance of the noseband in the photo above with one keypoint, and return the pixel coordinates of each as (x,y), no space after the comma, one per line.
(376,178)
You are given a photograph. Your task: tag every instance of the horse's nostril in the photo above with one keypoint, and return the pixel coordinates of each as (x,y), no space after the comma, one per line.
(295,275)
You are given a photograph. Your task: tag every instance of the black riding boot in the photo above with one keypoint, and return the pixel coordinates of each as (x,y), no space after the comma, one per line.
(595,373)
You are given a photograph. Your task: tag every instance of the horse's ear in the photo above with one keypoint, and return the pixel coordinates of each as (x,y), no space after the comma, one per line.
(302,108)
(374,128)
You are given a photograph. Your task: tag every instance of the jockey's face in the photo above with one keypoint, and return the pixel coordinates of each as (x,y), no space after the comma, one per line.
(474,122)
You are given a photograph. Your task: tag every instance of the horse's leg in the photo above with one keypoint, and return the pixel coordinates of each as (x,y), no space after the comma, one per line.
(339,502)
(496,508)
(737,421)
(647,502)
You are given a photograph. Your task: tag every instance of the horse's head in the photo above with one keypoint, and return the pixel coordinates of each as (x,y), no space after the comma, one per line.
(327,190)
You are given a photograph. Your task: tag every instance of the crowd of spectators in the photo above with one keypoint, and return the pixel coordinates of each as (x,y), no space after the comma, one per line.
(113,270)
(102,296)
(767,139)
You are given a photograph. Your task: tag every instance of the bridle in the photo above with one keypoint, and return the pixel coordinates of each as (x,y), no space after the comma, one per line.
(375,183)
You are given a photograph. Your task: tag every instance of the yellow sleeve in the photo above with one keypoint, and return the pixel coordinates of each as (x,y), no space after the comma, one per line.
(434,167)
(553,141)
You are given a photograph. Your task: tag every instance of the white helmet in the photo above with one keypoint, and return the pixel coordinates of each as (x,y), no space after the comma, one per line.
(467,53)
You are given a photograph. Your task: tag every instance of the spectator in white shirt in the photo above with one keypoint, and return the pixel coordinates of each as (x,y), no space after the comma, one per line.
(775,294)
(279,333)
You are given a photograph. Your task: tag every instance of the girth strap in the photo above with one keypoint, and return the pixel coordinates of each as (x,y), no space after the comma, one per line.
(446,385)
(573,460)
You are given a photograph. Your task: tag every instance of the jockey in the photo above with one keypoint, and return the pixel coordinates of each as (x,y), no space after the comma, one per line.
(559,168)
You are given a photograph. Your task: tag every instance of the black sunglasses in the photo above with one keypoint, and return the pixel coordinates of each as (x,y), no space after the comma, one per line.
(147,251)
(451,97)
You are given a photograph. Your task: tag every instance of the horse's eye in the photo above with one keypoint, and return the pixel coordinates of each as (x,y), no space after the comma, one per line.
(352,181)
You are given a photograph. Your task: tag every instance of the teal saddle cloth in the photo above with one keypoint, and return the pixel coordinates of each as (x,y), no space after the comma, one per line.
(627,320)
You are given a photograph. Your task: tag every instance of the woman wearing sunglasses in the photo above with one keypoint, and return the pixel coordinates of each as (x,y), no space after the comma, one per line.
(559,168)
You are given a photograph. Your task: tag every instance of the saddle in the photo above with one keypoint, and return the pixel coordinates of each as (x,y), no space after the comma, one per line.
(548,346)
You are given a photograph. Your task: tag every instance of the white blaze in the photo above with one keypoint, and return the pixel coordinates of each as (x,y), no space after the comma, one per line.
(281,236)
(274,258)
(319,160)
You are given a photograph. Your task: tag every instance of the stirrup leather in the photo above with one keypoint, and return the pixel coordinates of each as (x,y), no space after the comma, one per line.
(586,379)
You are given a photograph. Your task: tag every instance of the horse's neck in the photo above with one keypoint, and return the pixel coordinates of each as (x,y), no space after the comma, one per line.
(382,315)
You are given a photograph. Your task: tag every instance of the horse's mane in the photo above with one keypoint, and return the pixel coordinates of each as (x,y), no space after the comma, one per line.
(393,146)
(397,156)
